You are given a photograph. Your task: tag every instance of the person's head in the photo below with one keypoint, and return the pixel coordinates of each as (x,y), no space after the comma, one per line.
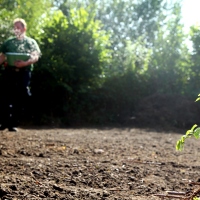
(19,27)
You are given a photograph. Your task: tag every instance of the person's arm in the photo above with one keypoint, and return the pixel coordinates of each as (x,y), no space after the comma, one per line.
(2,58)
(33,59)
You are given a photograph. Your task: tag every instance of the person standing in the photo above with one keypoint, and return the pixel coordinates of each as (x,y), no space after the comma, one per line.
(14,88)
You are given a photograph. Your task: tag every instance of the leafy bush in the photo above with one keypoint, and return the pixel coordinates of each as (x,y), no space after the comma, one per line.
(75,55)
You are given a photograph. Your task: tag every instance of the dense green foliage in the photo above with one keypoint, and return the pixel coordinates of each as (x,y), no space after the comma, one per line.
(101,58)
(74,62)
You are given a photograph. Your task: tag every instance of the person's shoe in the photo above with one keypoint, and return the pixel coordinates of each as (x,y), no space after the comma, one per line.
(2,127)
(12,129)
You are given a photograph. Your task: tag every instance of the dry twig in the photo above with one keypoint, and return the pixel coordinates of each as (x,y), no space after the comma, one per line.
(179,195)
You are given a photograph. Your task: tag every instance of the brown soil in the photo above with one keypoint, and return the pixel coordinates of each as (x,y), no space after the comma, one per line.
(93,163)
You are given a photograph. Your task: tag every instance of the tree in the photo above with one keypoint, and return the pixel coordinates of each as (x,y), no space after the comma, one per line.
(194,79)
(169,67)
(75,55)
(128,22)
(33,12)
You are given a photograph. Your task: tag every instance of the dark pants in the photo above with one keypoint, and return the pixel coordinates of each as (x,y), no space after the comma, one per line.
(15,93)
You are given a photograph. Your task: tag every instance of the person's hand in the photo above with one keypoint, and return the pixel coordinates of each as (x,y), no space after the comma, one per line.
(20,63)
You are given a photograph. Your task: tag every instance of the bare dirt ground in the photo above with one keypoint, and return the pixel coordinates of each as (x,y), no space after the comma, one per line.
(109,163)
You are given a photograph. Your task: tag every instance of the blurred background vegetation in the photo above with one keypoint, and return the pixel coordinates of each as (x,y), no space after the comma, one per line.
(110,62)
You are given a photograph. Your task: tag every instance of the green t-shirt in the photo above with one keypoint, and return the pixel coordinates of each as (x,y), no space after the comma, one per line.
(26,45)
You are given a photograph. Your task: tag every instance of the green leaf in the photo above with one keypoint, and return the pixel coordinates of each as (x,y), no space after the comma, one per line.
(179,145)
(194,131)
(197,133)
(197,99)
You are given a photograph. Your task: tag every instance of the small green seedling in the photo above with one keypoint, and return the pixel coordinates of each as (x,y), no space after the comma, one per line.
(193,132)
